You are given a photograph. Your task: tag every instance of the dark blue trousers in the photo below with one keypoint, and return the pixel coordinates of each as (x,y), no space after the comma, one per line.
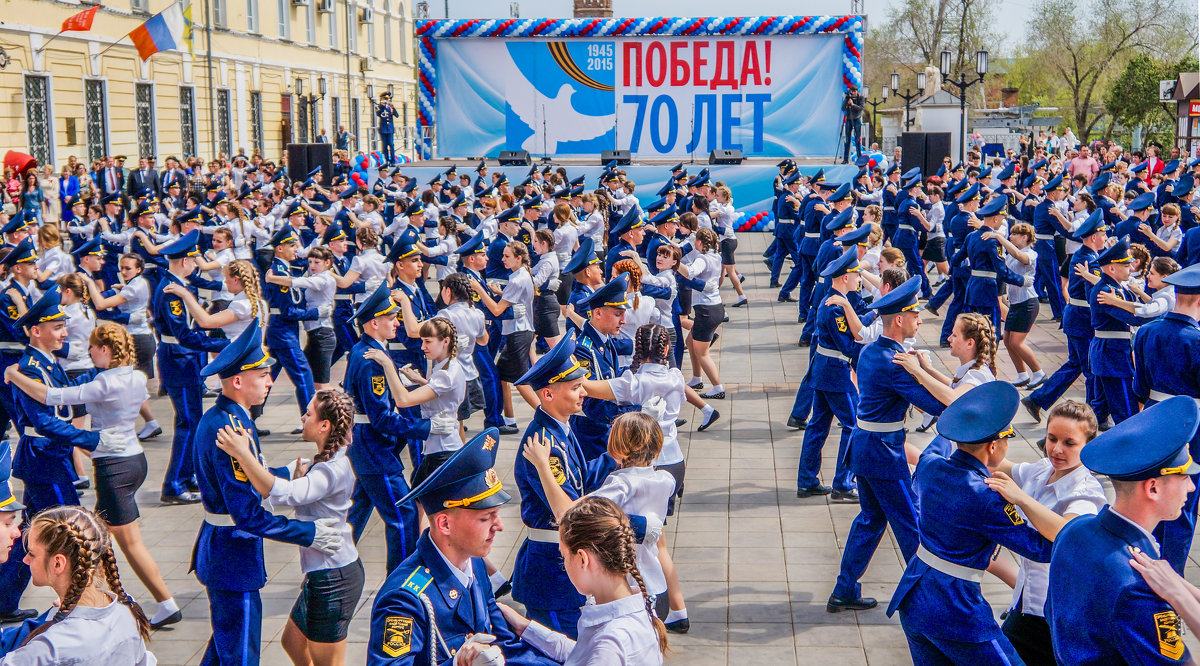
(14,573)
(1057,384)
(189,407)
(346,338)
(1117,393)
(881,502)
(492,397)
(292,359)
(916,266)
(389,146)
(1047,276)
(801,276)
(1175,536)
(785,246)
(563,621)
(958,289)
(826,405)
(930,651)
(381,492)
(237,628)
(802,406)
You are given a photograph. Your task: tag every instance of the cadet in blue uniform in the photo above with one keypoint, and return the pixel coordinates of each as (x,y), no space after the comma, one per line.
(440,595)
(877,445)
(228,556)
(986,257)
(942,609)
(833,391)
(381,431)
(14,302)
(1049,221)
(1077,325)
(386,112)
(599,352)
(539,579)
(787,215)
(1100,610)
(1166,354)
(909,214)
(472,260)
(957,228)
(1110,353)
(181,349)
(807,233)
(288,309)
(630,231)
(43,457)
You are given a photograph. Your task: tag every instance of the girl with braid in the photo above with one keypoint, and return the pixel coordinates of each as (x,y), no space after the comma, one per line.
(317,628)
(617,626)
(112,392)
(241,280)
(69,550)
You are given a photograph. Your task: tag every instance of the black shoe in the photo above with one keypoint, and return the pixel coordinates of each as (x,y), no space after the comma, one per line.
(773,285)
(713,396)
(932,311)
(850,495)
(696,387)
(170,619)
(712,418)
(716,336)
(19,615)
(810,491)
(156,433)
(741,302)
(679,423)
(801,319)
(209,393)
(785,298)
(679,626)
(1033,408)
(503,590)
(925,428)
(297,431)
(191,486)
(724,320)
(185,497)
(1021,384)
(944,344)
(741,278)
(82,484)
(508,429)
(1034,385)
(838,604)
(1105,425)
(803,343)
(767,262)
(263,432)
(796,424)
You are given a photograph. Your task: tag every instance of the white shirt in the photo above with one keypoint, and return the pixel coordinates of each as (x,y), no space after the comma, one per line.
(224,258)
(706,268)
(654,380)
(113,398)
(80,323)
(371,269)
(469,323)
(449,382)
(319,291)
(518,292)
(641,491)
(662,306)
(59,263)
(323,492)
(642,312)
(88,636)
(593,227)
(618,633)
(1077,493)
(1161,302)
(240,306)
(566,237)
(724,215)
(545,270)
(445,246)
(137,299)
(1020,294)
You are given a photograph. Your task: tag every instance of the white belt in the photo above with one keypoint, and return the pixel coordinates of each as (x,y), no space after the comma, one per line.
(274,311)
(361,418)
(984,274)
(396,345)
(219,519)
(890,209)
(12,346)
(168,340)
(809,234)
(832,353)
(543,536)
(949,568)
(1078,302)
(872,426)
(343,297)
(1045,237)
(906,227)
(1113,335)
(1159,396)
(28,432)
(207,293)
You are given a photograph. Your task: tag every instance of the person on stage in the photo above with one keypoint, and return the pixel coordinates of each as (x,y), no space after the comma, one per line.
(852,108)
(386,112)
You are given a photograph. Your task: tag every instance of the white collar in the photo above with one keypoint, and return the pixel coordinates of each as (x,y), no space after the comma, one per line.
(465,578)
(593,614)
(1149,537)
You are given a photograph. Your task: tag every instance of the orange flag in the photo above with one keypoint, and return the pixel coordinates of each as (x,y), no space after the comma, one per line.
(81,21)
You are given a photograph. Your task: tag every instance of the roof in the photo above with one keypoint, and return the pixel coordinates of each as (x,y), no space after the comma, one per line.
(1188,86)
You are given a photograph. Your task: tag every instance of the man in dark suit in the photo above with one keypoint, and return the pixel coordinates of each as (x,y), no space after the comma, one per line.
(112,176)
(143,178)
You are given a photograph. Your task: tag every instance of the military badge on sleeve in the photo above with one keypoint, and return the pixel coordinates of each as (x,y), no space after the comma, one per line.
(1013,515)
(1170,642)
(841,324)
(176,308)
(397,636)
(238,472)
(556,467)
(377,385)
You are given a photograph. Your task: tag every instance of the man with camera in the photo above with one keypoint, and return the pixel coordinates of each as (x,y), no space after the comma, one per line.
(852,108)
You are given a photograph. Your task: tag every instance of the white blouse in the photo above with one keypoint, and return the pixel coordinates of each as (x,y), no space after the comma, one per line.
(618,633)
(469,323)
(323,492)
(654,380)
(113,398)
(58,262)
(80,324)
(88,636)
(449,382)
(518,292)
(707,269)
(137,300)
(641,491)
(319,291)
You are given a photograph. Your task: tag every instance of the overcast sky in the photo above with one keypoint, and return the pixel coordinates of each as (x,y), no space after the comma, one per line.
(1009,20)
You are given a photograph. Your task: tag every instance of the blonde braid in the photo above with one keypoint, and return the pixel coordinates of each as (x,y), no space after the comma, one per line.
(335,406)
(119,342)
(245,273)
(73,532)
(109,562)
(978,329)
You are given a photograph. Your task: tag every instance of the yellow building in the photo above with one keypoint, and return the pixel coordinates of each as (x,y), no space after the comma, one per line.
(88,94)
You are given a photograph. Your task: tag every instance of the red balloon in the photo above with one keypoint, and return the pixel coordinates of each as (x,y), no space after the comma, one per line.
(19,162)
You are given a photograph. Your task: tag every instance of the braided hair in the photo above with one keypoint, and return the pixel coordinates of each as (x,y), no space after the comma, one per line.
(245,272)
(978,329)
(651,344)
(442,329)
(599,526)
(119,342)
(635,277)
(335,406)
(79,535)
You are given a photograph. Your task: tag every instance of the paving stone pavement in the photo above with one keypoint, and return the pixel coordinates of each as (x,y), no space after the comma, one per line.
(756,563)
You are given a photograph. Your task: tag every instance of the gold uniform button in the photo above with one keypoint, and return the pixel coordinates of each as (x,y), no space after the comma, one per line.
(453,594)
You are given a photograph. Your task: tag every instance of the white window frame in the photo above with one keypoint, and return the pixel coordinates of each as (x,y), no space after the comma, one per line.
(283,19)
(49,110)
(106,140)
(153,118)
(252,16)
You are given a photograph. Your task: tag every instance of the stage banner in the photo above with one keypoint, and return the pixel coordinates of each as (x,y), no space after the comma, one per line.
(666,88)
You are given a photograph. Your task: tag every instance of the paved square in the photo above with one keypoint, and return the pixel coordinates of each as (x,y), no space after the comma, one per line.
(756,563)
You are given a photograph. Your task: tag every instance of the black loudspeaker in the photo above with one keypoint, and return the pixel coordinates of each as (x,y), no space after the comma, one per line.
(925,150)
(304,157)
(725,157)
(619,156)
(514,158)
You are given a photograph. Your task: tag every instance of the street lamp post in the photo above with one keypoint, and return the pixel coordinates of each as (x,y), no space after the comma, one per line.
(981,68)
(866,91)
(308,102)
(908,95)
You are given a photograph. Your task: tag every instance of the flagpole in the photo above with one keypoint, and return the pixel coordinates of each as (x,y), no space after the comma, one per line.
(47,42)
(212,115)
(109,47)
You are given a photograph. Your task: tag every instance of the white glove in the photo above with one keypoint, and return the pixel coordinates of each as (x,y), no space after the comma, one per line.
(1028,281)
(328,538)
(325,311)
(518,311)
(112,441)
(656,407)
(654,528)
(372,284)
(492,656)
(553,285)
(443,425)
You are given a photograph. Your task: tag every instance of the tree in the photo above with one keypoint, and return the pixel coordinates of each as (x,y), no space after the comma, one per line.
(1076,48)
(1132,99)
